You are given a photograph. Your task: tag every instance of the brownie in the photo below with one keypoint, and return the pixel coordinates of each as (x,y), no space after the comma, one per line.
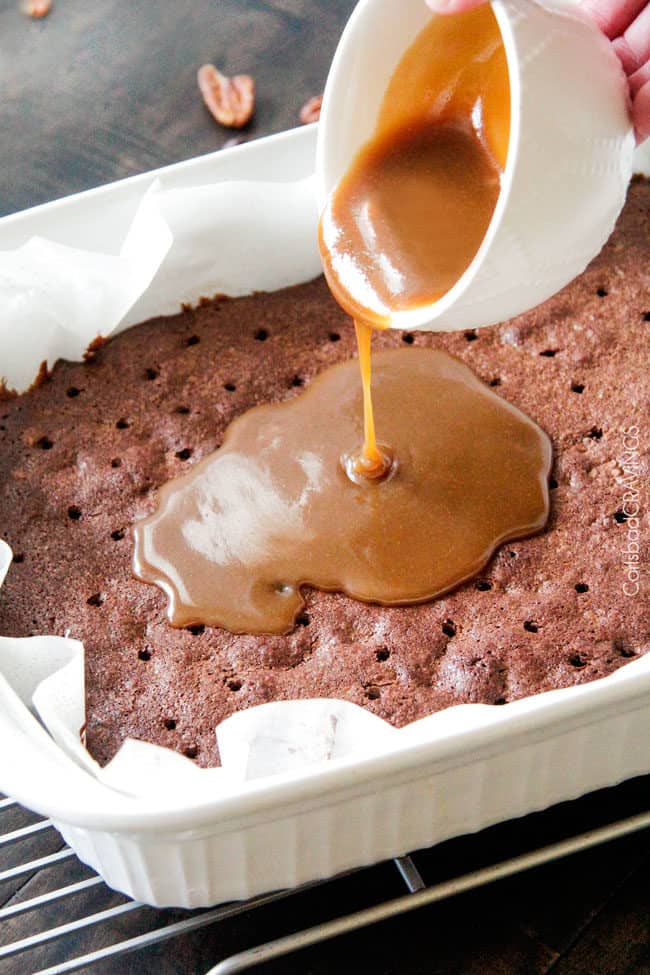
(84,452)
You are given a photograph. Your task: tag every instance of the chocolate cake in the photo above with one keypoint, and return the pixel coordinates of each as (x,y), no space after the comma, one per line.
(84,452)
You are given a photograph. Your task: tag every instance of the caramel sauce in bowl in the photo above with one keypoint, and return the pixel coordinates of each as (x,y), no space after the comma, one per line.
(406,219)
(568,143)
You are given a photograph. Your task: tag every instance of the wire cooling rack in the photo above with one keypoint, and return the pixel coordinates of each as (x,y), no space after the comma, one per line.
(70,905)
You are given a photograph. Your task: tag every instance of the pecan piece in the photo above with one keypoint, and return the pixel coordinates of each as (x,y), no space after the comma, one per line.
(230,100)
(35,8)
(310,111)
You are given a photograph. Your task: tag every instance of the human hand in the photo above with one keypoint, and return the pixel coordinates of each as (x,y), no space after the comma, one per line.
(627,25)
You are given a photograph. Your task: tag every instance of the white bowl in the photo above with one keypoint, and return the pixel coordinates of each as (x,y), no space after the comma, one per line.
(569,157)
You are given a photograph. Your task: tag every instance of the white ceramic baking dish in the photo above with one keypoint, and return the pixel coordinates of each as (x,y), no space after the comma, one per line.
(478,765)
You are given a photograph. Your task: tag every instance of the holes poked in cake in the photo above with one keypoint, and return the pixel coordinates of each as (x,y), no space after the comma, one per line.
(531,626)
(44,443)
(602,292)
(234,685)
(549,353)
(578,661)
(116,462)
(620,516)
(471,335)
(483,585)
(577,388)
(96,599)
(303,619)
(144,655)
(72,392)
(382,654)
(449,628)
(500,700)
(74,512)
(196,629)
(297,382)
(151,373)
(122,423)
(495,381)
(230,387)
(335,337)
(552,483)
(118,534)
(623,648)
(192,340)
(595,433)
(184,454)
(183,410)
(170,724)
(408,337)
(261,335)
(373,692)
(18,558)
(191,751)
(581,587)
(646,316)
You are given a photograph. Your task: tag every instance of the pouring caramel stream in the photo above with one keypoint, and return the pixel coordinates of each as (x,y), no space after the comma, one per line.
(373,461)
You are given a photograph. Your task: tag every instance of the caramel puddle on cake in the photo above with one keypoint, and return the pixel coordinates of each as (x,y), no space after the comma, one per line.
(232,542)
(302,493)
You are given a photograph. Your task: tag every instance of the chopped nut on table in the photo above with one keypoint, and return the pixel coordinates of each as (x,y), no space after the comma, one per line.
(310,111)
(230,100)
(35,8)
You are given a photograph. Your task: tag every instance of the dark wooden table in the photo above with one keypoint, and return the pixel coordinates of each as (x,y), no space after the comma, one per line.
(98,91)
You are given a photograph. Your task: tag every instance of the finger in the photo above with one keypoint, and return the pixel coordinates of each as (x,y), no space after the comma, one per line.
(641,112)
(453,6)
(613,16)
(639,78)
(633,47)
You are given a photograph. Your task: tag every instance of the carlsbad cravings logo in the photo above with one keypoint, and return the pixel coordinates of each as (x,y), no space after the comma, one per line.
(631,509)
